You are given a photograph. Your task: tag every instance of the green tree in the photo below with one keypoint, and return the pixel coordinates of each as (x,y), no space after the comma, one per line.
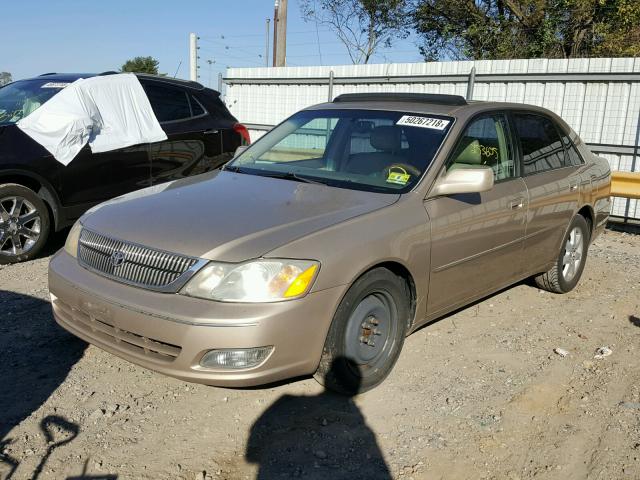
(363,26)
(5,77)
(495,29)
(141,65)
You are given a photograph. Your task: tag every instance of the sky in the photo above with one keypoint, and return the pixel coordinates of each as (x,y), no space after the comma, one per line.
(94,36)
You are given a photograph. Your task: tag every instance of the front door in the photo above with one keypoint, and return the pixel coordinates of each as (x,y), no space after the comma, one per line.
(477,239)
(91,178)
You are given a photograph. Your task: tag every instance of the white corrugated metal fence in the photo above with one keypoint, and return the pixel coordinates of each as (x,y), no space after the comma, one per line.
(598,97)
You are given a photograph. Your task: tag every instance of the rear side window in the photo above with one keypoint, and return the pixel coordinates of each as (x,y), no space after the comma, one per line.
(542,147)
(168,103)
(196,108)
(573,156)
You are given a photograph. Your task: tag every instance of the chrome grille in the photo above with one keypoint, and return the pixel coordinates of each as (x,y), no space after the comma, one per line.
(133,264)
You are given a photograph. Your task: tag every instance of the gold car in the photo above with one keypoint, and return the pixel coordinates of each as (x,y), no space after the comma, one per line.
(319,248)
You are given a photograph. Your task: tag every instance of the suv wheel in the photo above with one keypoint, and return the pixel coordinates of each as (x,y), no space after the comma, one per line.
(24,223)
(566,272)
(367,333)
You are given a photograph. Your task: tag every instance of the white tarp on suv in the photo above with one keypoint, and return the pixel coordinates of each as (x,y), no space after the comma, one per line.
(108,112)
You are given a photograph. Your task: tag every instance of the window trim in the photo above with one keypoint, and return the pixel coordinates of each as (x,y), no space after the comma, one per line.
(510,137)
(558,130)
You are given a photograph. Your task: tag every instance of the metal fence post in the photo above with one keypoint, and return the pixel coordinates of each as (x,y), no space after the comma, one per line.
(471,83)
(331,86)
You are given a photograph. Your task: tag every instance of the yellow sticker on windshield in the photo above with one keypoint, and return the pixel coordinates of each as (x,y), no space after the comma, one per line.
(398,175)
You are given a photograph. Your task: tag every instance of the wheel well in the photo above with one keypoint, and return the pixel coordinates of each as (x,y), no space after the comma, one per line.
(588,216)
(28,182)
(402,272)
(35,185)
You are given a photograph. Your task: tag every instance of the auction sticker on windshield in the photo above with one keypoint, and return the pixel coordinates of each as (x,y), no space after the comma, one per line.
(55,85)
(423,122)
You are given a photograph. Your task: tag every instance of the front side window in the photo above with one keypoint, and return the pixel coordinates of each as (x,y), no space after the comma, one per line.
(378,151)
(168,103)
(20,99)
(485,143)
(542,148)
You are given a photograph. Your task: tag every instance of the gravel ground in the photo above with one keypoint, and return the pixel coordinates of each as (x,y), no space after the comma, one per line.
(479,394)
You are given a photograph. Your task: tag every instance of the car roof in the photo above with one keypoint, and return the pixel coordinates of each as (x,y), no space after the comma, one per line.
(72,77)
(449,105)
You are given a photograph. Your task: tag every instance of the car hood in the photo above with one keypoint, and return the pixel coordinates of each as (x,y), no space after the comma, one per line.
(228,216)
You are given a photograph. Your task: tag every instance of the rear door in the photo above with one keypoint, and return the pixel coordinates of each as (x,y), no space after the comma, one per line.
(553,183)
(477,239)
(194,142)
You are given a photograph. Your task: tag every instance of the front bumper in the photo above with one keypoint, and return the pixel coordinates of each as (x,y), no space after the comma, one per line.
(170,333)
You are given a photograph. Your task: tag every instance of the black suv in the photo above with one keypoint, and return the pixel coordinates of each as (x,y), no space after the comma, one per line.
(38,194)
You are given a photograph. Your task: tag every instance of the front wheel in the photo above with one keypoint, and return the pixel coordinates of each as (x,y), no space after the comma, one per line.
(367,333)
(24,223)
(566,272)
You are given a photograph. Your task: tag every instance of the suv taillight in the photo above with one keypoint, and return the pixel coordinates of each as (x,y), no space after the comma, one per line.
(244,133)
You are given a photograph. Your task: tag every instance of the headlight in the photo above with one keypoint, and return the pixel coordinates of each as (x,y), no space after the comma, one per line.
(268,280)
(71,245)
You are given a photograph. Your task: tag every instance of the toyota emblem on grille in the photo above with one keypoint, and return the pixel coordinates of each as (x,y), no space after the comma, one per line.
(117,258)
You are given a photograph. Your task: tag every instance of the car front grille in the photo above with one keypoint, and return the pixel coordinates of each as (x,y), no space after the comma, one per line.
(134,264)
(107,333)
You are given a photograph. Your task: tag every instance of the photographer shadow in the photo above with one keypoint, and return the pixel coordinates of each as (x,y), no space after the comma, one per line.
(35,359)
(315,437)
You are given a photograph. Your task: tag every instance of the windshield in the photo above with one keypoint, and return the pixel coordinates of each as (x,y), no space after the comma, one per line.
(20,99)
(378,151)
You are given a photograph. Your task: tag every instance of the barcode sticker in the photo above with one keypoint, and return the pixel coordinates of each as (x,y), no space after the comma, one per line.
(55,85)
(423,122)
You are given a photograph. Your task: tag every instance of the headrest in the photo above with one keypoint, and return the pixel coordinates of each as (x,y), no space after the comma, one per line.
(387,138)
(469,152)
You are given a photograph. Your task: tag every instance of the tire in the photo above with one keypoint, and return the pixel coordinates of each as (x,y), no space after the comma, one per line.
(24,223)
(566,272)
(367,333)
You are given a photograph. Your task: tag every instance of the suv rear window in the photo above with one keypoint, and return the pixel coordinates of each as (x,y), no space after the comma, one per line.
(168,103)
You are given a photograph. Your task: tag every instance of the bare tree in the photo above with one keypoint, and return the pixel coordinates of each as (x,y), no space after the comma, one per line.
(363,26)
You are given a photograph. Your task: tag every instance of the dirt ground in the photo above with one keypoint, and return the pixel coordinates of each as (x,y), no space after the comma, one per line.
(477,395)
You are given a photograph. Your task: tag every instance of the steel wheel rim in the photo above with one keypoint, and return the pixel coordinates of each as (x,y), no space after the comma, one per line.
(371,329)
(20,225)
(573,253)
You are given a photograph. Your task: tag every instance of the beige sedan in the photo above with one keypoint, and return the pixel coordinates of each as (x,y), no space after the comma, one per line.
(319,248)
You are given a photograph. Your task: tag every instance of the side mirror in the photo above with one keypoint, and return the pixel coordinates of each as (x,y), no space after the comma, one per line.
(239,150)
(464,180)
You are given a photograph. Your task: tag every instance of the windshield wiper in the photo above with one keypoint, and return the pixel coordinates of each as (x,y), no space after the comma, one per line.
(266,173)
(289,176)
(233,168)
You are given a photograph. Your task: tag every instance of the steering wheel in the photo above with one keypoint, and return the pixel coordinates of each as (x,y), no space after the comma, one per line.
(403,166)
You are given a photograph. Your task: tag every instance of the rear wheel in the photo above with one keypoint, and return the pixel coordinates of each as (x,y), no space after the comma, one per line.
(24,223)
(566,272)
(367,333)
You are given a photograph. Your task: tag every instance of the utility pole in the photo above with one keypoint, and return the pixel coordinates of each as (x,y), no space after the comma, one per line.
(275,32)
(281,21)
(193,57)
(266,52)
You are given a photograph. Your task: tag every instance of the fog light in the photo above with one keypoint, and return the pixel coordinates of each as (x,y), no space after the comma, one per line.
(235,358)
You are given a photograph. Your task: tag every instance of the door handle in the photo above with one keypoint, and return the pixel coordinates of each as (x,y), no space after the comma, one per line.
(573,185)
(210,132)
(516,204)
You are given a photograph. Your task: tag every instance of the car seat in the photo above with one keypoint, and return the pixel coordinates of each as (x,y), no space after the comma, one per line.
(387,140)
